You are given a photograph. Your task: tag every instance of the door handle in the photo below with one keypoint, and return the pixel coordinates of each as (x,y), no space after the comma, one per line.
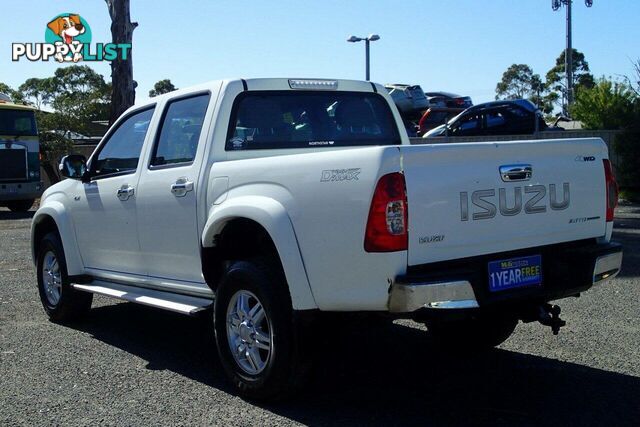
(510,173)
(125,192)
(181,187)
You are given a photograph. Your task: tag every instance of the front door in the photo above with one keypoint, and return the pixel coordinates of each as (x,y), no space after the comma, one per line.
(167,196)
(104,209)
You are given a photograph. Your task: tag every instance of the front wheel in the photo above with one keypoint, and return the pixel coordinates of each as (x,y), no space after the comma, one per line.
(60,301)
(255,334)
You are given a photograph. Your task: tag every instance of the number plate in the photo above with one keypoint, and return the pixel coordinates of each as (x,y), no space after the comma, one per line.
(515,273)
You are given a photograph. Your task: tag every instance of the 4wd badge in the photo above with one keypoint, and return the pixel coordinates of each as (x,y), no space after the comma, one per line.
(340,175)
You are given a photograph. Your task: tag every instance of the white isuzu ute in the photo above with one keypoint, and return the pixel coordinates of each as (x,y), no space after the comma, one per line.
(276,201)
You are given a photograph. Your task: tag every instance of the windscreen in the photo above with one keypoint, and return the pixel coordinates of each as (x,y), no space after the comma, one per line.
(17,122)
(300,119)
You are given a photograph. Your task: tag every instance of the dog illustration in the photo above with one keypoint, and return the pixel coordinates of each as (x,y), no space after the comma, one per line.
(67,28)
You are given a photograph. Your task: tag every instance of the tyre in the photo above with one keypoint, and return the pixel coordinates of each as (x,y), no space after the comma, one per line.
(255,332)
(20,205)
(478,333)
(60,301)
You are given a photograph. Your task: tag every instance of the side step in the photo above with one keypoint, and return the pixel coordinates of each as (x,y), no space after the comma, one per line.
(183,304)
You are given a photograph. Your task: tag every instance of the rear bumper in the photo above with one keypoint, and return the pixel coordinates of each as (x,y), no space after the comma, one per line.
(20,190)
(459,285)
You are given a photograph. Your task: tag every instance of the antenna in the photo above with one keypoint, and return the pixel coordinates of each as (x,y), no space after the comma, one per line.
(568,53)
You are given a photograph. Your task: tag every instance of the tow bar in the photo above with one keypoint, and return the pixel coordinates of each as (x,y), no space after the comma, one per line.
(549,315)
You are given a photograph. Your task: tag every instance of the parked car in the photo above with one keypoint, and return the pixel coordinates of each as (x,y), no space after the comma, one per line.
(409,99)
(434,117)
(412,104)
(509,117)
(452,100)
(247,201)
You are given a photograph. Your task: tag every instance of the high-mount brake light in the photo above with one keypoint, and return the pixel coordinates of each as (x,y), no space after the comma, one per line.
(612,189)
(313,84)
(388,216)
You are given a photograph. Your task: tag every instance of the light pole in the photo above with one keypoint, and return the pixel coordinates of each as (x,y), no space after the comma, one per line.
(370,38)
(568,53)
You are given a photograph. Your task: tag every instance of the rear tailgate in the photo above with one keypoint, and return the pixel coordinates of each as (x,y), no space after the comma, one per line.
(460,206)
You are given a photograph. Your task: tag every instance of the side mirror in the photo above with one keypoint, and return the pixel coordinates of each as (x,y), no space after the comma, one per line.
(73,166)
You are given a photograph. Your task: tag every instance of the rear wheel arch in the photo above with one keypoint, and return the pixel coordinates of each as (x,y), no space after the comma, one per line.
(248,233)
(239,239)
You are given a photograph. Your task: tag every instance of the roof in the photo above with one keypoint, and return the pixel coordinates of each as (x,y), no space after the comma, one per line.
(258,84)
(7,105)
(445,94)
(524,103)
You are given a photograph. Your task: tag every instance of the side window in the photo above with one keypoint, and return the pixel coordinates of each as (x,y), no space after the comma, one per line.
(495,119)
(177,140)
(121,152)
(521,121)
(469,125)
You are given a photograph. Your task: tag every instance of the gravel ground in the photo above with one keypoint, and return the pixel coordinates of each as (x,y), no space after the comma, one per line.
(132,365)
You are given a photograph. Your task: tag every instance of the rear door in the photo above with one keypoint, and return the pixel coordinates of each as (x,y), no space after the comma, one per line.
(460,205)
(520,121)
(167,194)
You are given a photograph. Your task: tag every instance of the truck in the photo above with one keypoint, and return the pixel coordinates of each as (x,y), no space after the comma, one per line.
(20,182)
(271,205)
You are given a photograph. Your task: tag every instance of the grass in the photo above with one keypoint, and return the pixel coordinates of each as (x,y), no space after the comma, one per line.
(630,195)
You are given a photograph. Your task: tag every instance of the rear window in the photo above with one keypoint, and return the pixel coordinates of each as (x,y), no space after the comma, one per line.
(17,122)
(286,119)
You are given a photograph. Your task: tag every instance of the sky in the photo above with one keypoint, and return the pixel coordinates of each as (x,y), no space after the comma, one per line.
(460,46)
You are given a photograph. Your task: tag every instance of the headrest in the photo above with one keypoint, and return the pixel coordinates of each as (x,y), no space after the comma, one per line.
(260,113)
(354,112)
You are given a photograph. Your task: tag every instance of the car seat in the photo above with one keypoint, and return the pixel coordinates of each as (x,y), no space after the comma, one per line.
(355,118)
(265,117)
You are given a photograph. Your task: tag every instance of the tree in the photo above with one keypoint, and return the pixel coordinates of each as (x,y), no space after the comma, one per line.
(556,77)
(38,91)
(124,87)
(52,147)
(633,82)
(606,105)
(163,86)
(627,144)
(519,82)
(80,96)
(515,83)
(14,95)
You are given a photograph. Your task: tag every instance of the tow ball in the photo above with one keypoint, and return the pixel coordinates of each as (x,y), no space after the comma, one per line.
(549,315)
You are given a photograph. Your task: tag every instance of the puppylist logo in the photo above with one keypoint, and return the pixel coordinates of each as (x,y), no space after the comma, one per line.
(68,39)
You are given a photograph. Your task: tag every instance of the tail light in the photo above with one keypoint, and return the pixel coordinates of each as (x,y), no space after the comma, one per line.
(460,101)
(612,189)
(423,120)
(387,223)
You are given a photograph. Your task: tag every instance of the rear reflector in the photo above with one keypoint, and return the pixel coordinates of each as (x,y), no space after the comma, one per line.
(612,189)
(387,223)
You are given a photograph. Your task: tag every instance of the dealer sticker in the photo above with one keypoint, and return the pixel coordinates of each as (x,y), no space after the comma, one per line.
(515,273)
